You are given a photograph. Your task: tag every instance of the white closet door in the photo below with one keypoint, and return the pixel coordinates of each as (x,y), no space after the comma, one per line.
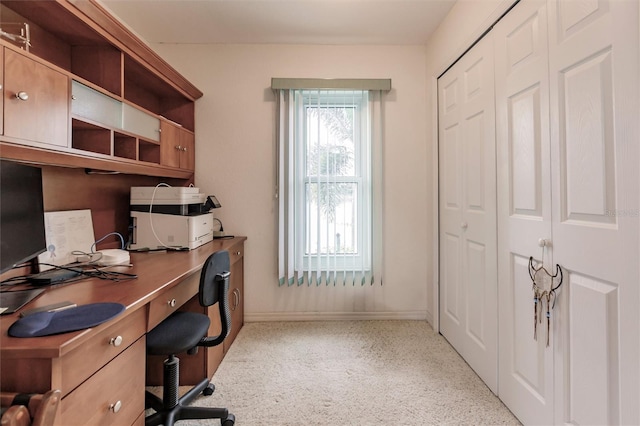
(593,64)
(567,111)
(524,207)
(468,263)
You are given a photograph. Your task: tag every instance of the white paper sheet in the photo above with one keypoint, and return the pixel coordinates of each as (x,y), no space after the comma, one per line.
(66,232)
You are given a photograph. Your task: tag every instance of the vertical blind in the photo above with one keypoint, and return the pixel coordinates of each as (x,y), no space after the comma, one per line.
(329,186)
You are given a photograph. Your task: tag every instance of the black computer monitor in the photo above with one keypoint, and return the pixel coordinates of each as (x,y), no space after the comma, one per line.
(22,234)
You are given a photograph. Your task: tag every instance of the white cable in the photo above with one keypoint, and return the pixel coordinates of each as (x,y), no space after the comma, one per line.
(87,258)
(151,215)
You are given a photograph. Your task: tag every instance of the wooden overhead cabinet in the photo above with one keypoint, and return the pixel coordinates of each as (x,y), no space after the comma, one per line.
(87,93)
(36,107)
(177,146)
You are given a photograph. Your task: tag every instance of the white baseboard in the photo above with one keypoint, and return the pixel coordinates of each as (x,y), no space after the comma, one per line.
(429,318)
(333,316)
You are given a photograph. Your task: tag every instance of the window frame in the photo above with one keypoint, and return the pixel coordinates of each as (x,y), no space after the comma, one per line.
(363,179)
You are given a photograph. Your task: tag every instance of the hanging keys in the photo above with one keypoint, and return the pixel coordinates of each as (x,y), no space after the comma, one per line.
(544,286)
(535,316)
(548,318)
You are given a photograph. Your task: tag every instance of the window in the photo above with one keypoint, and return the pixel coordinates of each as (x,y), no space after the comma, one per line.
(329,181)
(332,180)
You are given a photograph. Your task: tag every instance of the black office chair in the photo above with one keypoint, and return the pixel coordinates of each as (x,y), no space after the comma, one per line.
(185,331)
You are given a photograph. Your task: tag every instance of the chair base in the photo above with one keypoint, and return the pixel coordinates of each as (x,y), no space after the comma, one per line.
(182,411)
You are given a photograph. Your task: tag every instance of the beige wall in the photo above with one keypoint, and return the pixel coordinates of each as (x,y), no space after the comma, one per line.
(235,161)
(235,158)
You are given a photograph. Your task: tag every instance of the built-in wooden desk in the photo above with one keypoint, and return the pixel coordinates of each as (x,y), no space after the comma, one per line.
(101,370)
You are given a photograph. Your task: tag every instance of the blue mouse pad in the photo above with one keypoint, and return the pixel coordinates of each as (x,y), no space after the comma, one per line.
(73,319)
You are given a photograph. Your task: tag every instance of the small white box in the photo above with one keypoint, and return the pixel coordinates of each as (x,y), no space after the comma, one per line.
(156,230)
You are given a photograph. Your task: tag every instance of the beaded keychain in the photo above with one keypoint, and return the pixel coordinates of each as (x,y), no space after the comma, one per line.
(544,291)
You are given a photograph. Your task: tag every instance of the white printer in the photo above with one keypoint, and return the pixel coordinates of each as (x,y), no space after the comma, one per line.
(169,217)
(157,230)
(167,199)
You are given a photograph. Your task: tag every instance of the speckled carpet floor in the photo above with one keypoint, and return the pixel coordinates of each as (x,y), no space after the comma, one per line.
(349,373)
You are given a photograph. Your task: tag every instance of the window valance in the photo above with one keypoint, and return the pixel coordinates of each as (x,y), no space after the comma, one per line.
(382,84)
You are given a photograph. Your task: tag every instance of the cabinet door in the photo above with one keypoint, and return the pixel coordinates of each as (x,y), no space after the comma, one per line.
(177,146)
(140,123)
(187,154)
(213,355)
(36,101)
(236,293)
(169,144)
(89,103)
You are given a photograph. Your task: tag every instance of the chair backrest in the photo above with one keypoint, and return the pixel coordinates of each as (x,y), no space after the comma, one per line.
(214,288)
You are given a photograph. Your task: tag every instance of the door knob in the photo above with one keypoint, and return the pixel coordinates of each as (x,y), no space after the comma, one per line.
(464,225)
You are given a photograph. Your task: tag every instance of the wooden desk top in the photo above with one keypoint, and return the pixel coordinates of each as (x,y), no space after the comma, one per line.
(156,271)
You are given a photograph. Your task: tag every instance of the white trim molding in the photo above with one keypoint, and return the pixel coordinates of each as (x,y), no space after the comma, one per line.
(334,316)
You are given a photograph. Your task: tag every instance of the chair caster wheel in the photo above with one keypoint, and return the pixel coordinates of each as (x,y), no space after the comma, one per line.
(209,389)
(229,421)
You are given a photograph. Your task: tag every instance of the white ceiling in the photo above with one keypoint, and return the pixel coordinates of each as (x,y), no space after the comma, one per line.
(396,22)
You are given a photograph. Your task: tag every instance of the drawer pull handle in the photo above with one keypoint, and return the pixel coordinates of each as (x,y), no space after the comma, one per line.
(172,303)
(116,341)
(23,96)
(238,253)
(236,299)
(115,407)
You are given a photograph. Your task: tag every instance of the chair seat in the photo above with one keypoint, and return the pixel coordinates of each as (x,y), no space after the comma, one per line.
(178,333)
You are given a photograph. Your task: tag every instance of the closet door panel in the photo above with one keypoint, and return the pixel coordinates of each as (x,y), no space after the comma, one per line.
(528,367)
(452,296)
(451,292)
(474,164)
(587,171)
(524,208)
(593,318)
(475,278)
(468,263)
(525,147)
(594,73)
(450,180)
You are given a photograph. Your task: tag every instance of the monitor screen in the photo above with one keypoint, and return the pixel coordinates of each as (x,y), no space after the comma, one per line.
(22,234)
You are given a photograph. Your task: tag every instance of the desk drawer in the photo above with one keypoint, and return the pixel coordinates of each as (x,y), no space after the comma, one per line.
(169,301)
(236,252)
(113,396)
(82,362)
